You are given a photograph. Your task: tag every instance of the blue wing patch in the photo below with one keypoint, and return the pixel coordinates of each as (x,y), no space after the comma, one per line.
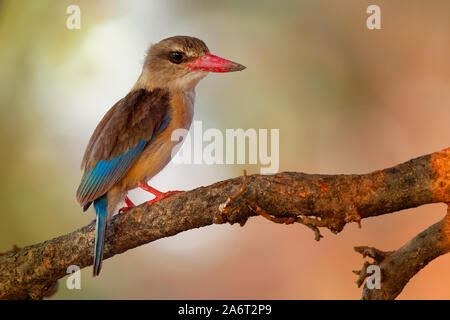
(165,121)
(106,173)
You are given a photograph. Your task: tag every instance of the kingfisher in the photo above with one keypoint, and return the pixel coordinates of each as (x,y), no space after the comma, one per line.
(132,143)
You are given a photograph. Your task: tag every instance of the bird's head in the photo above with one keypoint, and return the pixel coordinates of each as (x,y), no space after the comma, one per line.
(180,63)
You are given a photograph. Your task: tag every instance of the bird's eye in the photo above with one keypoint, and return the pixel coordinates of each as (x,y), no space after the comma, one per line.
(176,57)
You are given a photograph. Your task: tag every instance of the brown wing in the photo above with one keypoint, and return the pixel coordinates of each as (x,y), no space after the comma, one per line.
(119,139)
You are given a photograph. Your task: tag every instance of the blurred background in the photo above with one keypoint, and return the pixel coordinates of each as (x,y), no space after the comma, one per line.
(346,100)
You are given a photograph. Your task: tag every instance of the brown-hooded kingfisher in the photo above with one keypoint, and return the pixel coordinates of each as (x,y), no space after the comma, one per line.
(132,143)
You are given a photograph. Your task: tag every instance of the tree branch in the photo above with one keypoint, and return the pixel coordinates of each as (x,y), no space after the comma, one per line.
(318,201)
(398,267)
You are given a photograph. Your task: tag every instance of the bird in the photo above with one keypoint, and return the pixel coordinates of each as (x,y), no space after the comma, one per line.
(132,142)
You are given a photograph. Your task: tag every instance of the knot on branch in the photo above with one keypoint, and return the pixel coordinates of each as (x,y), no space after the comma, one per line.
(378,258)
(222,215)
(311,223)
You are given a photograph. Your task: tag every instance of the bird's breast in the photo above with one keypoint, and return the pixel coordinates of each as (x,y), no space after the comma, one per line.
(158,152)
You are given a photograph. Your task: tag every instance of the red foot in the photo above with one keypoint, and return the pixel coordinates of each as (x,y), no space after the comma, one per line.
(158,194)
(129,203)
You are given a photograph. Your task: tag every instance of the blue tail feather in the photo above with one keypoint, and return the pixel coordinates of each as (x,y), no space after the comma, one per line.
(101,206)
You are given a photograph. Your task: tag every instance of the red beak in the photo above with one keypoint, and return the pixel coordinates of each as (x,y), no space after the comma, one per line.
(212,63)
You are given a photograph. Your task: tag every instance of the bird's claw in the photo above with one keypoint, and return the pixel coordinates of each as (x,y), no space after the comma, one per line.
(124,209)
(130,205)
(162,195)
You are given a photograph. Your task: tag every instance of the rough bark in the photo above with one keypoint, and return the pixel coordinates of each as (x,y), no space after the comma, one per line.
(398,267)
(318,201)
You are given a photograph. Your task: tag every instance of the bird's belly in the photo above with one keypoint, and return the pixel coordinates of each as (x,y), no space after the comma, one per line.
(153,159)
